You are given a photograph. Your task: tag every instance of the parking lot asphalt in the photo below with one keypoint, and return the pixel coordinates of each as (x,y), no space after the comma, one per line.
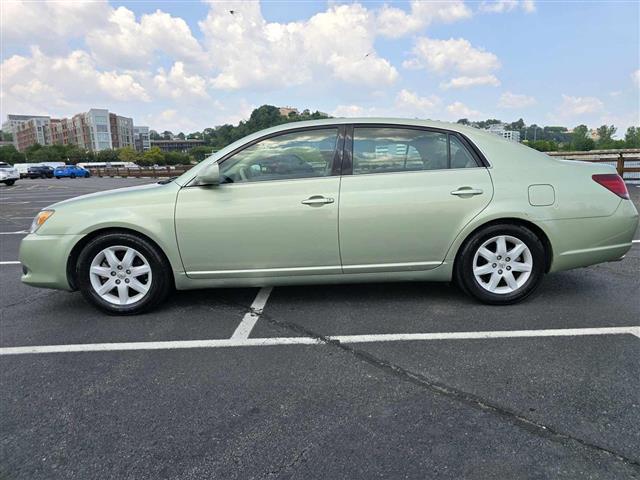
(393,380)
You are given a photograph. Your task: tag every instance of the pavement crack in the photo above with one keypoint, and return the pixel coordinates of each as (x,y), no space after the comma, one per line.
(283,467)
(470,399)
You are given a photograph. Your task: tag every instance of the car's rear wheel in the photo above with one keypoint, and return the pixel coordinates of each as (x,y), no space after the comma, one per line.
(9,182)
(73,175)
(501,264)
(123,274)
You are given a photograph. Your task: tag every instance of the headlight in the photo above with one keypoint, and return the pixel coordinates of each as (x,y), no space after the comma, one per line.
(42,217)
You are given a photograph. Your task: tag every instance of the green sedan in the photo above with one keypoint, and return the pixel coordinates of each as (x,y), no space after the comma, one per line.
(336,201)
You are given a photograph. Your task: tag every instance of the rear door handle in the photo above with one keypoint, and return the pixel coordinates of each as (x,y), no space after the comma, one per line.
(317,200)
(462,191)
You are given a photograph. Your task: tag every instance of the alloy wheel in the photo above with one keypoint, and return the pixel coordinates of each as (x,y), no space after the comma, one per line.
(502,264)
(120,275)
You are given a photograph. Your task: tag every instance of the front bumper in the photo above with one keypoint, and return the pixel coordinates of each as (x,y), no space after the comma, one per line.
(44,260)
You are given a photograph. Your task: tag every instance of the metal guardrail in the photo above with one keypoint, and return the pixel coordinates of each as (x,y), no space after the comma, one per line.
(153,172)
(626,161)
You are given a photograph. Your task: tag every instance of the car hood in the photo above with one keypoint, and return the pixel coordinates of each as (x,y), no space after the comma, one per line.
(124,195)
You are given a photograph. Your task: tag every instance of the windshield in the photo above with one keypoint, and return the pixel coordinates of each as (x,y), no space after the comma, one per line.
(5,165)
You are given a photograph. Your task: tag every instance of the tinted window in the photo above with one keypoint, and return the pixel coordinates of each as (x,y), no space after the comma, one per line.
(383,150)
(460,156)
(292,155)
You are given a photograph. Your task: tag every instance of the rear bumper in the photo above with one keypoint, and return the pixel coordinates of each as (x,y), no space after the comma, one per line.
(44,260)
(580,242)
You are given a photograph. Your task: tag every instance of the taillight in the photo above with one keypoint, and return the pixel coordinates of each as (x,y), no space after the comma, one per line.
(612,182)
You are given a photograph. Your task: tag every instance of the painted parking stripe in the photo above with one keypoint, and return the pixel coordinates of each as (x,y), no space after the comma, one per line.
(263,342)
(13,262)
(19,232)
(635,241)
(252,316)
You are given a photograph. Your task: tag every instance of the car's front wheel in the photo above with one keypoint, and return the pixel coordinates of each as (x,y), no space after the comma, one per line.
(123,274)
(501,264)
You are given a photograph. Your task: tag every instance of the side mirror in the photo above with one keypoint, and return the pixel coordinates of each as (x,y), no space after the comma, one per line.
(210,175)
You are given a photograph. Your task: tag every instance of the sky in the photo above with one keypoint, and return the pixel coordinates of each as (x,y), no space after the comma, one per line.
(185,66)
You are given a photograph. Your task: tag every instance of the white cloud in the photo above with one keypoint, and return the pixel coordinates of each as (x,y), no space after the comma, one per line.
(124,42)
(502,6)
(456,55)
(178,84)
(472,66)
(635,77)
(514,100)
(50,23)
(39,82)
(248,51)
(459,110)
(577,106)
(348,111)
(408,101)
(466,82)
(395,22)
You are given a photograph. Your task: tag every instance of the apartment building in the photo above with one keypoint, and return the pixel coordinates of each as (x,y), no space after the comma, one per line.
(499,129)
(141,138)
(177,145)
(33,130)
(95,130)
(13,121)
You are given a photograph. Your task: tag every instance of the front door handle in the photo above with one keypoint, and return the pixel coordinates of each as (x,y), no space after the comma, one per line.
(317,200)
(462,191)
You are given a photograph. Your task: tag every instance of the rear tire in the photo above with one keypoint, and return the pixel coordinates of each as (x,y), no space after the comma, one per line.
(110,260)
(501,264)
(73,175)
(10,182)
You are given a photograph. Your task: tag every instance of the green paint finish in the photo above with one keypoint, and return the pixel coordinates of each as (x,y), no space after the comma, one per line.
(541,195)
(379,227)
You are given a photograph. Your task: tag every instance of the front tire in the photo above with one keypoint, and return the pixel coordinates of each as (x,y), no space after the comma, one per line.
(123,274)
(501,264)
(9,182)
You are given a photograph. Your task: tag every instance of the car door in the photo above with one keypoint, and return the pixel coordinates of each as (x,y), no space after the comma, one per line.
(274,214)
(405,195)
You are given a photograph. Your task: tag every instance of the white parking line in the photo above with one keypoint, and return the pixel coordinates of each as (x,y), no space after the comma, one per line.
(19,232)
(635,241)
(263,342)
(10,263)
(252,316)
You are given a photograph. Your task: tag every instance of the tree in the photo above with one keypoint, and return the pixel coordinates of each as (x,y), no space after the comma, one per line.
(153,135)
(176,158)
(464,121)
(200,153)
(153,156)
(9,154)
(167,135)
(6,136)
(181,136)
(107,156)
(128,154)
(580,140)
(605,136)
(632,137)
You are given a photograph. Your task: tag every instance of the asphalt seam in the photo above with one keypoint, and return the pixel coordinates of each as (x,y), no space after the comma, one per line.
(461,396)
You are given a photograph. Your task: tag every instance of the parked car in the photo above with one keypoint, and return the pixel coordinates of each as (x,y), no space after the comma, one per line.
(337,201)
(40,171)
(8,174)
(71,171)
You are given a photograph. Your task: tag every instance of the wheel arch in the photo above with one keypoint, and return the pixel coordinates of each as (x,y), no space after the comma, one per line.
(536,229)
(77,248)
